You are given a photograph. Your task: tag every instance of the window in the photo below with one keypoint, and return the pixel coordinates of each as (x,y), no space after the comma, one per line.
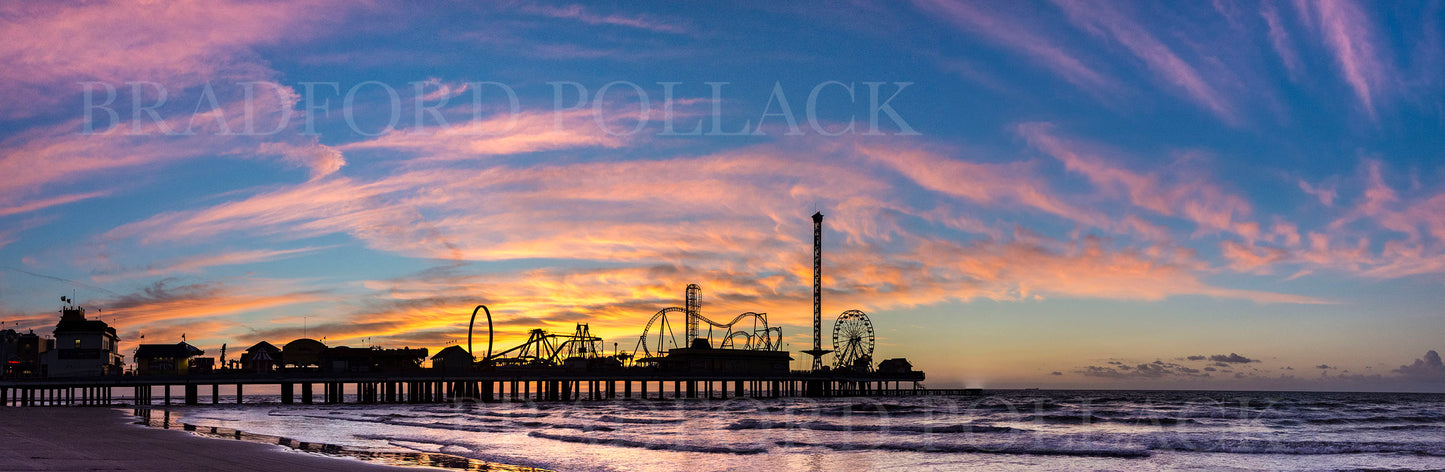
(77,344)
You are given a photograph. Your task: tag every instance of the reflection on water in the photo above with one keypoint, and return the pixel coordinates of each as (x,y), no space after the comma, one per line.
(165,419)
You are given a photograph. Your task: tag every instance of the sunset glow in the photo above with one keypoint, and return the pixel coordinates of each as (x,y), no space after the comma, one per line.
(1019,194)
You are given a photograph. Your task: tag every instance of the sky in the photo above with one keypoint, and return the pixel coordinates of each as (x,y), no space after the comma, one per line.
(1057,194)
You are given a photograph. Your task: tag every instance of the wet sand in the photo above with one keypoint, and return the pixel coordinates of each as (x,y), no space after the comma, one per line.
(104,439)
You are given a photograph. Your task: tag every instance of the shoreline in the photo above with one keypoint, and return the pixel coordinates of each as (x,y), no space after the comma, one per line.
(81,438)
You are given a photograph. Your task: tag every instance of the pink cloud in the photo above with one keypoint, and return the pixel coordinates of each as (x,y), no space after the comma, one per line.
(582,14)
(1346,31)
(506,133)
(1018,36)
(1184,194)
(1092,16)
(34,205)
(48,48)
(1280,40)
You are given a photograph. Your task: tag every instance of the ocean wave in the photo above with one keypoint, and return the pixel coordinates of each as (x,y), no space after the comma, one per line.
(627,420)
(822,426)
(1271,446)
(1378,419)
(511,414)
(453,426)
(1092,418)
(661,446)
(576,426)
(1124,451)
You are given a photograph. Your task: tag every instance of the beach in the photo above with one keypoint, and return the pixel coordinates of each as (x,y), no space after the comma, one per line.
(69,439)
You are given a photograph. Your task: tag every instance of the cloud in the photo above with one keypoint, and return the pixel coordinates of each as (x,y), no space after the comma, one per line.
(582,14)
(1279,39)
(1197,358)
(1163,61)
(48,48)
(1149,370)
(43,203)
(196,264)
(1346,31)
(1231,358)
(506,133)
(1180,192)
(204,311)
(320,159)
(1014,34)
(1428,368)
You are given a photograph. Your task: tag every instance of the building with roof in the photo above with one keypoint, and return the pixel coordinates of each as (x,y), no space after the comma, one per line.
(83,347)
(165,359)
(302,352)
(260,351)
(452,360)
(371,359)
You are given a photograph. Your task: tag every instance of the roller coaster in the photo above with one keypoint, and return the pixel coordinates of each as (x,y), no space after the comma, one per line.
(748,331)
(543,349)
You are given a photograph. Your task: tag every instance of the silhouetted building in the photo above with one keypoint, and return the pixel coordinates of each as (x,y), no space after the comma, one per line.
(895,366)
(165,359)
(83,347)
(273,355)
(30,348)
(452,360)
(302,352)
(701,358)
(347,359)
(261,362)
(9,353)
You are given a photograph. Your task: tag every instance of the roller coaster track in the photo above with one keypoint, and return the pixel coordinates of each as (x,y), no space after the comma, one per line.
(764,338)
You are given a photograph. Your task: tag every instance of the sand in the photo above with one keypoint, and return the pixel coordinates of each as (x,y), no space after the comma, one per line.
(72,438)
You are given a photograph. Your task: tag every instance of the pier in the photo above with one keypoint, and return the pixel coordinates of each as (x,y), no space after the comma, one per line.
(308,388)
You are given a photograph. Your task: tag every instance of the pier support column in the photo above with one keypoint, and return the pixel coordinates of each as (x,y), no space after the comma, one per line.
(192,394)
(287,393)
(306,393)
(238,394)
(215,394)
(627,389)
(168,394)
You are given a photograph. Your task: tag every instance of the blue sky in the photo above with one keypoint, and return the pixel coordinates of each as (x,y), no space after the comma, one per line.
(1054,194)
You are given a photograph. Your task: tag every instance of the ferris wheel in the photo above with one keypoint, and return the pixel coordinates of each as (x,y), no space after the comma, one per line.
(853,341)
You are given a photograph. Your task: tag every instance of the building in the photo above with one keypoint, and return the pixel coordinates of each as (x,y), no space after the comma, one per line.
(253,354)
(895,366)
(11,363)
(30,348)
(165,359)
(83,347)
(347,359)
(701,358)
(452,360)
(302,352)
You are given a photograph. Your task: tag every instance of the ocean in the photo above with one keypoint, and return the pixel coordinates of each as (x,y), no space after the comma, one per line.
(999,430)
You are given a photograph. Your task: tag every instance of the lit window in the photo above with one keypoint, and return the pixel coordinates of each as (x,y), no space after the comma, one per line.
(77,344)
